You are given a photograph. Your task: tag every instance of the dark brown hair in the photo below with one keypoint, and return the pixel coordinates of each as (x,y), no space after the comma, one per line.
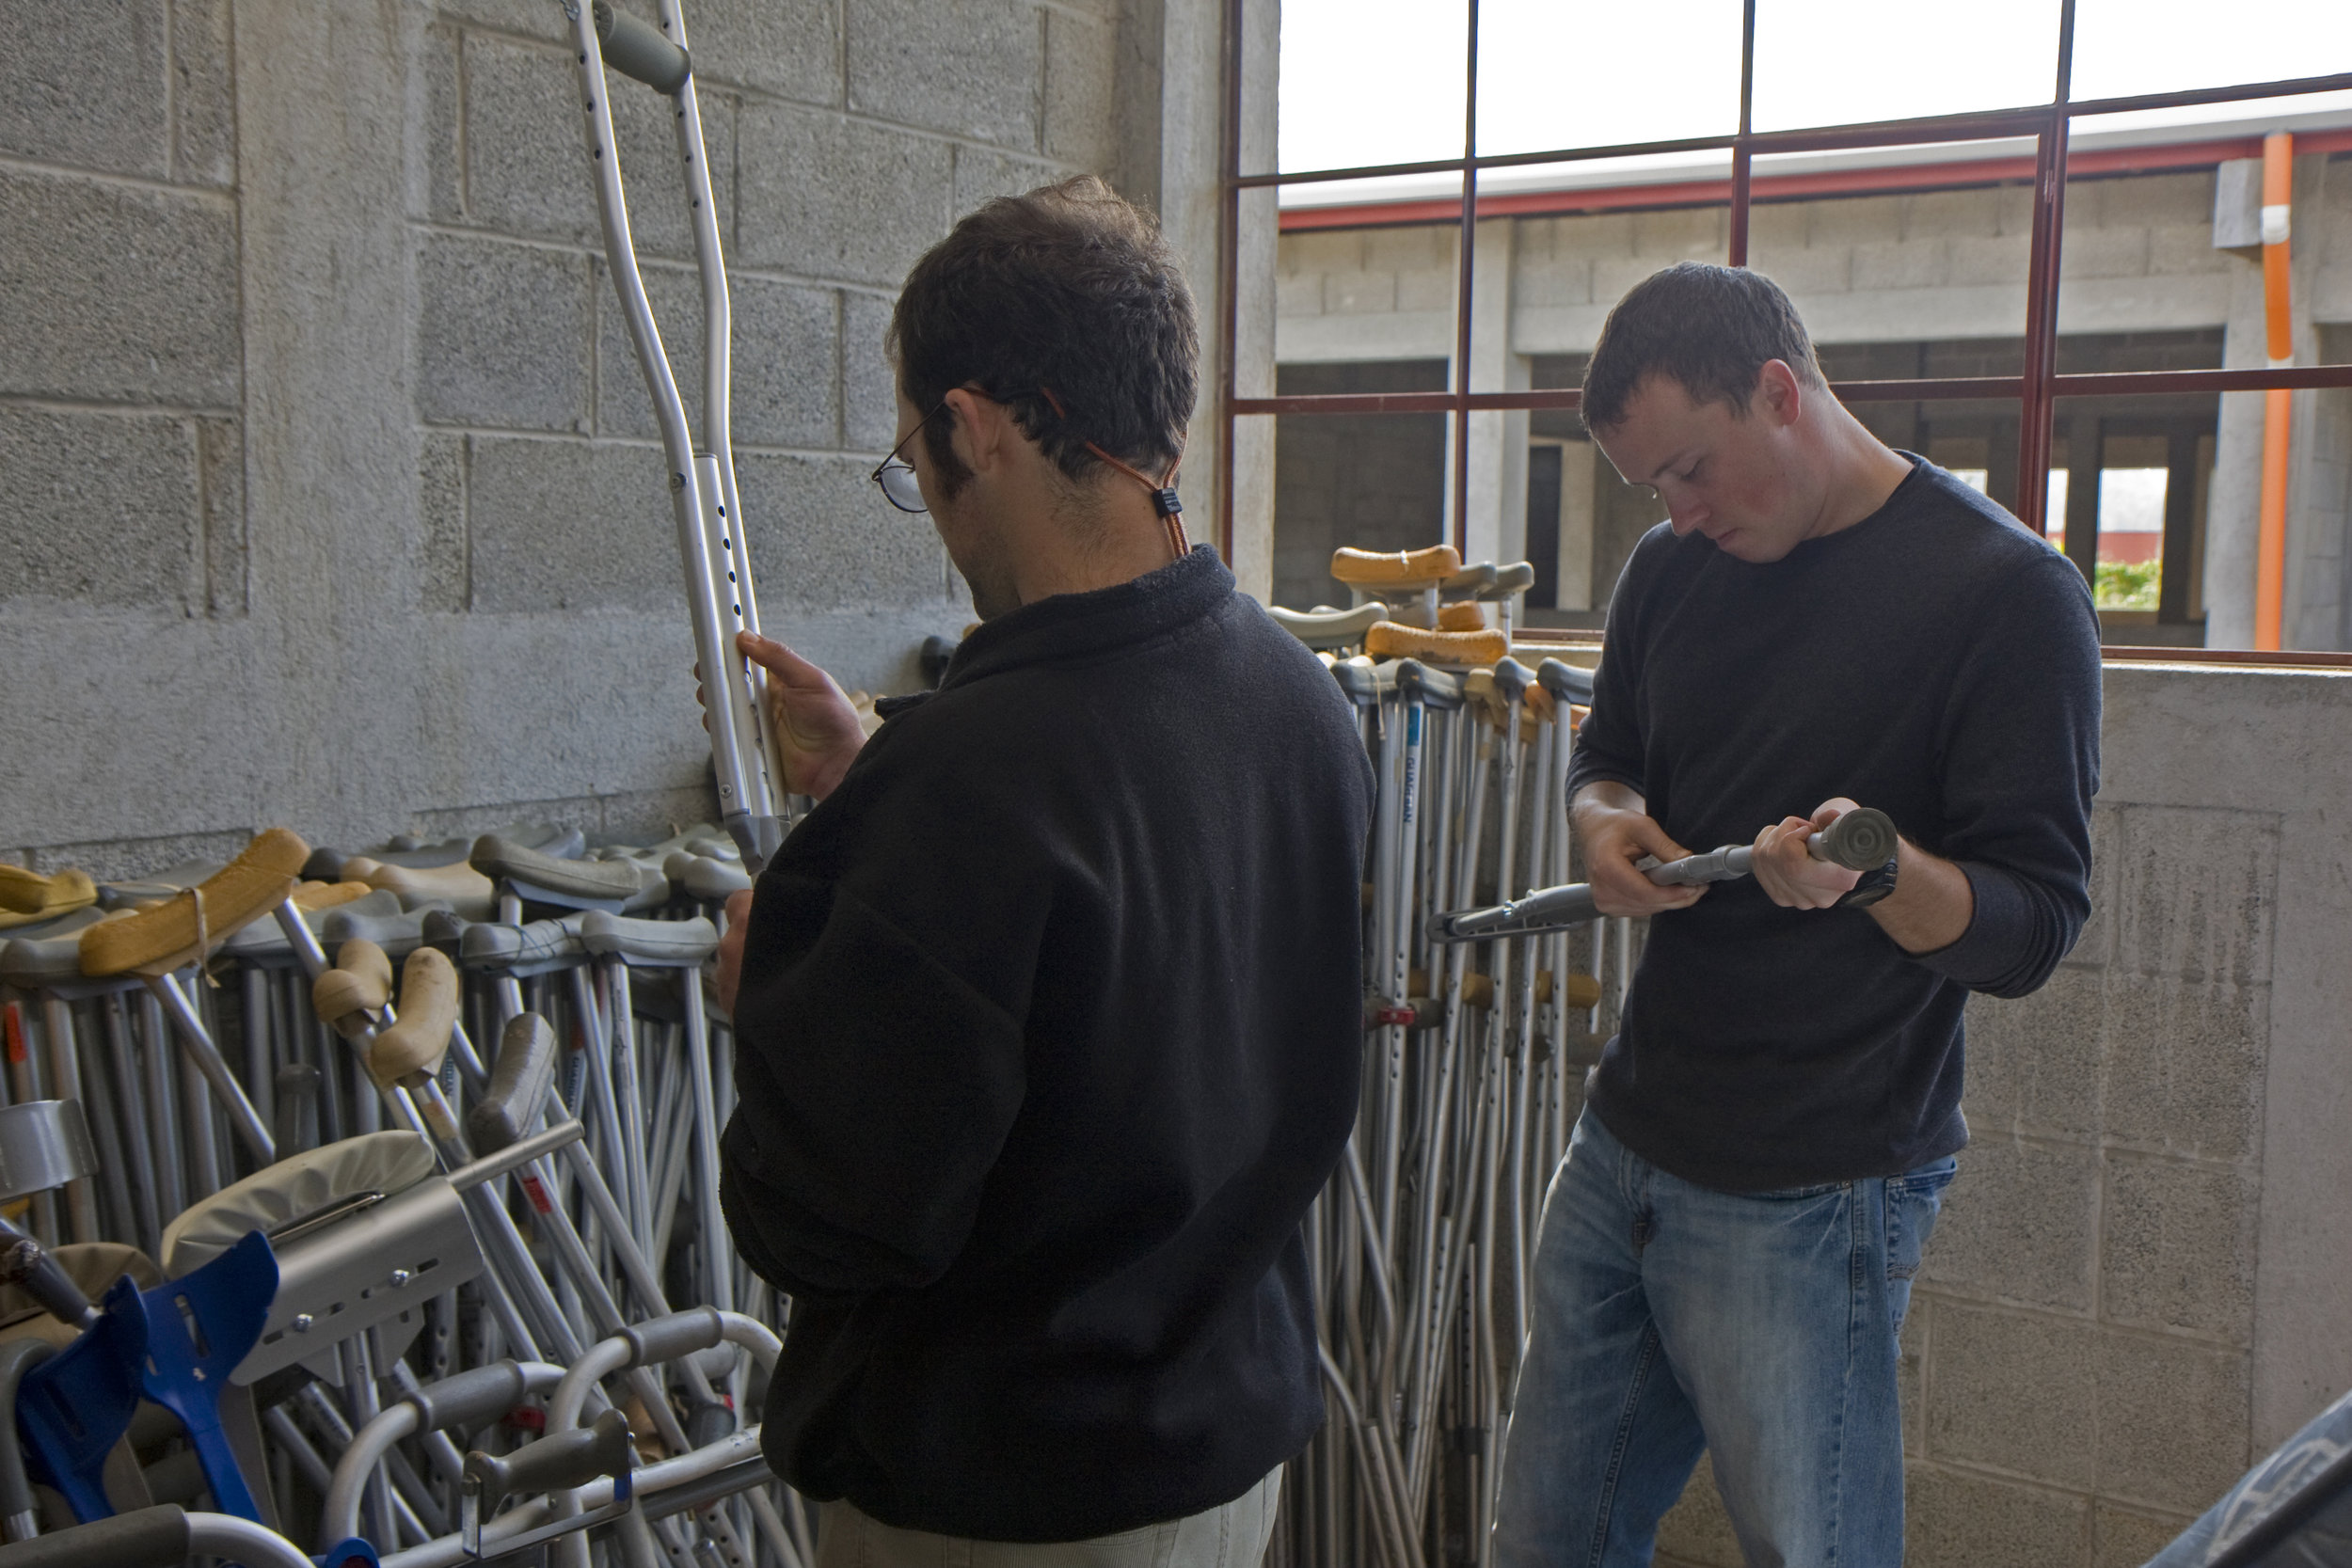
(1067,289)
(1710,328)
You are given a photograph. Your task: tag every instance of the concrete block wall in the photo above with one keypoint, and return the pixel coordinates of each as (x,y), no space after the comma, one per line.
(2142,1279)
(335,499)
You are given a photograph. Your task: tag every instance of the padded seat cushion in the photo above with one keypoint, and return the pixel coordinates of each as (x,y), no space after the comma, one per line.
(293,1189)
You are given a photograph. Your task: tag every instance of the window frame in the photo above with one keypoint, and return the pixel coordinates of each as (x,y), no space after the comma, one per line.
(2037,390)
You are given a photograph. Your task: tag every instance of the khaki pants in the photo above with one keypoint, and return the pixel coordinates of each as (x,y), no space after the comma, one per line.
(1233,1536)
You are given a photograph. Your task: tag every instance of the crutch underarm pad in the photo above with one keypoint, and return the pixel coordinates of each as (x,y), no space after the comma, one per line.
(518,1090)
(1565,681)
(278,1196)
(1328,628)
(675,944)
(37,963)
(396,931)
(28,895)
(463,888)
(1509,580)
(636,51)
(1388,640)
(428,1011)
(154,1537)
(1432,565)
(497,857)
(534,948)
(249,886)
(360,983)
(705,878)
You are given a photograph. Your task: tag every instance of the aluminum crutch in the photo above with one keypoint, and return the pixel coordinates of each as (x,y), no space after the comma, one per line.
(707,509)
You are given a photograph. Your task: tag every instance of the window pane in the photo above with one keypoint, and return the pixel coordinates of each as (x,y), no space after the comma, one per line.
(1376,482)
(1580,234)
(2123,47)
(1927,258)
(1538,89)
(1839,62)
(1343,295)
(2131,537)
(1369,82)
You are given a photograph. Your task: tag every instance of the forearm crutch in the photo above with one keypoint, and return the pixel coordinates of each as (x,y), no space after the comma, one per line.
(1861,840)
(708,512)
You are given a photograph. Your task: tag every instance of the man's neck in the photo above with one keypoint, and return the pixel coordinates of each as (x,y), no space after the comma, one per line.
(1864,471)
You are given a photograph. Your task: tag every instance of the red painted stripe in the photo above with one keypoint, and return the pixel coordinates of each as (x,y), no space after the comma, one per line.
(1783,187)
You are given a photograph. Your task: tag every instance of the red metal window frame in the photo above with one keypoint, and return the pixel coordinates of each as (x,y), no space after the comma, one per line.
(2038,389)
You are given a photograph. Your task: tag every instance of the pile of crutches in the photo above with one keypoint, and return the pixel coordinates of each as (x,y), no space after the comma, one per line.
(300,1252)
(1473,1065)
(290,1246)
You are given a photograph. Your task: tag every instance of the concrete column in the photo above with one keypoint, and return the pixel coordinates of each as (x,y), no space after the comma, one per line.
(330,439)
(2234,513)
(1576,526)
(1497,442)
(2319,535)
(1185,183)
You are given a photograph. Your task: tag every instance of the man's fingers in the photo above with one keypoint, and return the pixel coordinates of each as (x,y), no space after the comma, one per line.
(1829,811)
(779,660)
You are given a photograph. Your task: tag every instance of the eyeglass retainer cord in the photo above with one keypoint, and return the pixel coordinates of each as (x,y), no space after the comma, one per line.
(1164,498)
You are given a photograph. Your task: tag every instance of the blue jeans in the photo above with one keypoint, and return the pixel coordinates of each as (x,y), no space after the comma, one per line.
(1671,1320)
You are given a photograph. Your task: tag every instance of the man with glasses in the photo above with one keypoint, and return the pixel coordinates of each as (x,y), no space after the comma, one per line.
(1727,1250)
(1049,1013)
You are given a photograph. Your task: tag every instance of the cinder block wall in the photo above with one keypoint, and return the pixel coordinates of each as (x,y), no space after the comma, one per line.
(2142,1278)
(332,493)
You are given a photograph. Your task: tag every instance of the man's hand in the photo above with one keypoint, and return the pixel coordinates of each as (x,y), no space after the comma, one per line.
(1786,870)
(730,975)
(816,729)
(1615,828)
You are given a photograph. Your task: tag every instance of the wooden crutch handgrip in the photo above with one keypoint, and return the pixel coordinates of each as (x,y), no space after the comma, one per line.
(413,1048)
(24,891)
(1541,704)
(359,984)
(1388,640)
(1467,616)
(27,898)
(1583,990)
(247,888)
(1432,565)
(310,898)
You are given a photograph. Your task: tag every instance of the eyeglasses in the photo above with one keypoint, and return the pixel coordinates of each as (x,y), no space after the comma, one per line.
(897,477)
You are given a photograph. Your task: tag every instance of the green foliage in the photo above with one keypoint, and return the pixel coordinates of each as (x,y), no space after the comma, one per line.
(2128,584)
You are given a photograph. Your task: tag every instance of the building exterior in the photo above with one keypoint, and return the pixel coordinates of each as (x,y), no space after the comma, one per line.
(1902,271)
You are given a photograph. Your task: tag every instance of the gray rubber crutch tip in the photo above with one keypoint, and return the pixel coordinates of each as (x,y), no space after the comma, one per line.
(1861,840)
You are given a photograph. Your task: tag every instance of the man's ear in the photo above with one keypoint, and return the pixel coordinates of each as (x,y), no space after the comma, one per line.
(976,430)
(1778,392)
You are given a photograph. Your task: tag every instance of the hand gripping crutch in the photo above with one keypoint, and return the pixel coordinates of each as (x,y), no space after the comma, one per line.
(709,515)
(1861,840)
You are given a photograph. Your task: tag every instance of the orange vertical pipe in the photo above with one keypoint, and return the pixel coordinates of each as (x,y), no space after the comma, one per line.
(2270,560)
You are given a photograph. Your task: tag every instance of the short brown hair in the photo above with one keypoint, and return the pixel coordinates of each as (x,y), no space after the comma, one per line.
(1068,289)
(1710,328)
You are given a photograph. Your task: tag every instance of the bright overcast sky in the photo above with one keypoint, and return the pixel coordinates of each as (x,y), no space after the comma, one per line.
(1381,81)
